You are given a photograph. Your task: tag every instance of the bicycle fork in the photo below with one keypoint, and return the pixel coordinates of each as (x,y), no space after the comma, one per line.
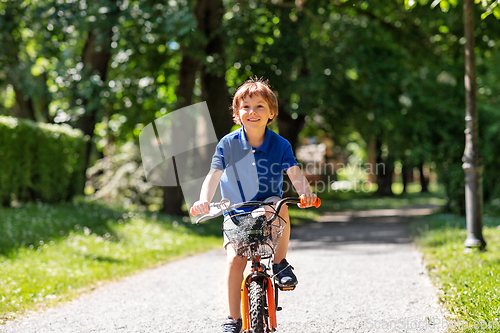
(270,298)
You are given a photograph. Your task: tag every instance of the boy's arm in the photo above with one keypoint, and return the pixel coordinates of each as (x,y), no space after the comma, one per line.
(210,185)
(207,191)
(302,186)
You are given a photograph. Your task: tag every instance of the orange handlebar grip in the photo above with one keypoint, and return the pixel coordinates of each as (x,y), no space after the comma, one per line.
(316,204)
(192,212)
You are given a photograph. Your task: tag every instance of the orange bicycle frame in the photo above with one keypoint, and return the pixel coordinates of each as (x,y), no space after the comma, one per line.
(269,297)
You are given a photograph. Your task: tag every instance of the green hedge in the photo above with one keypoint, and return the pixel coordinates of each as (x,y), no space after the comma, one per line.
(39,161)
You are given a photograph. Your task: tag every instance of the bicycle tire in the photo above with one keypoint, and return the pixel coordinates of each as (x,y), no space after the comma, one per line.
(256,292)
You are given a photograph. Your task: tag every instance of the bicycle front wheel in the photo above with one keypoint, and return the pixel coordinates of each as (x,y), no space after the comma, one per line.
(256,292)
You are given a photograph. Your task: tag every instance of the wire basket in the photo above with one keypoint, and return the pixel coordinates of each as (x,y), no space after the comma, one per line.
(251,230)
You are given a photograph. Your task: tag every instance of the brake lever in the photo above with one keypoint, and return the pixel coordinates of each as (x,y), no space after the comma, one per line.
(214,212)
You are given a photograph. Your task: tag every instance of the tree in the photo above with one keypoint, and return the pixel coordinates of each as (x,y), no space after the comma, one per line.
(107,67)
(209,15)
(203,54)
(472,157)
(16,60)
(95,57)
(274,41)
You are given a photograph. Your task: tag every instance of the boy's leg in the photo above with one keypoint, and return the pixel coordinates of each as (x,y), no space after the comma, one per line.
(282,247)
(281,268)
(234,277)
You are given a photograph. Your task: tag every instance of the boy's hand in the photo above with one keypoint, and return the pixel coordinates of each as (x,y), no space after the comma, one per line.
(200,207)
(308,200)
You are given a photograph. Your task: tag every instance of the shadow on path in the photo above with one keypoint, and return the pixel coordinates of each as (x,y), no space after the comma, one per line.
(377,226)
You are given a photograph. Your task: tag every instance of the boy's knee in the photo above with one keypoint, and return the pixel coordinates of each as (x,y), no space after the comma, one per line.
(232,258)
(283,213)
(236,263)
(238,260)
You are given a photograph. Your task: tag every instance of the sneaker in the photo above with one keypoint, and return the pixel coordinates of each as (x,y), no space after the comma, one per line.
(284,275)
(231,325)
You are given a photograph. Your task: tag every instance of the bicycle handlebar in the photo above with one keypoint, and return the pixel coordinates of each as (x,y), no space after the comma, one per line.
(211,214)
(279,204)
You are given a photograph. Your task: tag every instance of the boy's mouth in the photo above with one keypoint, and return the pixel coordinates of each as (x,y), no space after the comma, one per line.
(253,120)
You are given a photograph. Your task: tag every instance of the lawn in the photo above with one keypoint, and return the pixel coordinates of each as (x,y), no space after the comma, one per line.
(52,253)
(468,281)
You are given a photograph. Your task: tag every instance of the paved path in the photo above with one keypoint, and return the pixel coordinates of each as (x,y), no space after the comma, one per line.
(357,273)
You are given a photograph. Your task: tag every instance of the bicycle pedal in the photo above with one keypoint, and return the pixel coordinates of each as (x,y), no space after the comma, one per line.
(286,288)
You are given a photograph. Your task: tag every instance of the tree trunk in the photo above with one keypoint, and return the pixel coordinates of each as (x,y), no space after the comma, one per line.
(24,108)
(94,62)
(290,128)
(404,177)
(172,201)
(372,159)
(384,169)
(187,78)
(96,56)
(213,84)
(45,100)
(172,195)
(423,180)
(213,73)
(384,181)
(24,103)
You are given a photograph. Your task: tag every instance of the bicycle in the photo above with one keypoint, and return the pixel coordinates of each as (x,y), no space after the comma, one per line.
(256,237)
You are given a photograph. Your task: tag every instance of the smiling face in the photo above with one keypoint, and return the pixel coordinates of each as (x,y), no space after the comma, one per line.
(254,112)
(258,89)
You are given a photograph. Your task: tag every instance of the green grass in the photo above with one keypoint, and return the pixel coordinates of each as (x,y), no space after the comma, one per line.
(469,283)
(51,253)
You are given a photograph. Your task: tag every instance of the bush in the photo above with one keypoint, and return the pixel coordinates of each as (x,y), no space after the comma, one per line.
(39,161)
(119,179)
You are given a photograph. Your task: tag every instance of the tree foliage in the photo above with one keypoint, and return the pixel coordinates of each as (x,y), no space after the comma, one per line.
(391,71)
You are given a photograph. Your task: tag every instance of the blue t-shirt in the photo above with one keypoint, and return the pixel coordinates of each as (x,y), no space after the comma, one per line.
(252,173)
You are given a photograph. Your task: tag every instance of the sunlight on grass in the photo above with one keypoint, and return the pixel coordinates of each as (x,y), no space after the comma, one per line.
(51,253)
(469,283)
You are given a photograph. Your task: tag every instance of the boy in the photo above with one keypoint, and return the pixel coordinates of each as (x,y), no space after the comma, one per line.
(258,156)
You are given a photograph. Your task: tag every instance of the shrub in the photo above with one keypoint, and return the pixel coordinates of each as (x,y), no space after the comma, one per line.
(39,161)
(119,178)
